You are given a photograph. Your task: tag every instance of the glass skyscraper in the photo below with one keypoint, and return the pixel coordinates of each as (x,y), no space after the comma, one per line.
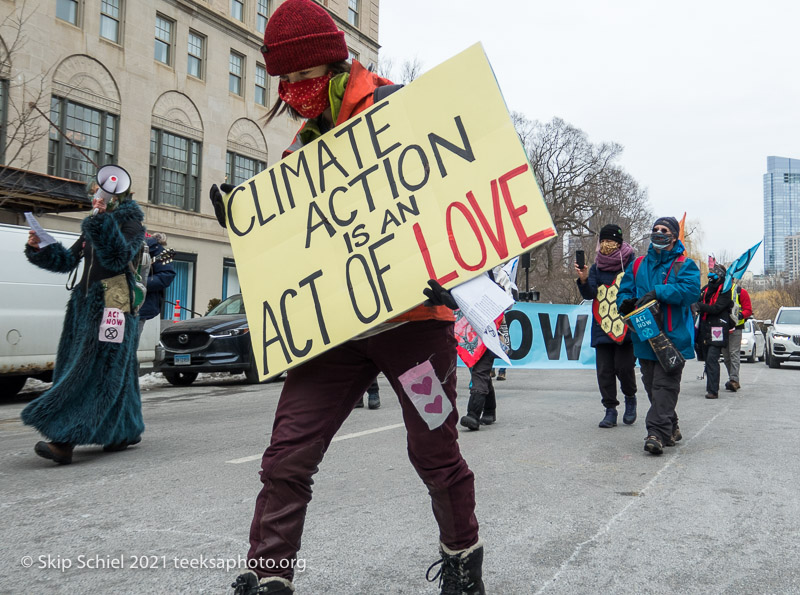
(781,210)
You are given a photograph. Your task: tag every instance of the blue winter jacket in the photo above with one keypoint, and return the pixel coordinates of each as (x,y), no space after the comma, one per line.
(676,294)
(161,276)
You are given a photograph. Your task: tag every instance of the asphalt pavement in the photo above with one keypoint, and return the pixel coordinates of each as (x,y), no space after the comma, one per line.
(565,507)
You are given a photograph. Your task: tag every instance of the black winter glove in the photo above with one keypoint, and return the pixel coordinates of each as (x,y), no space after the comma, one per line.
(627,306)
(216,199)
(438,296)
(648,297)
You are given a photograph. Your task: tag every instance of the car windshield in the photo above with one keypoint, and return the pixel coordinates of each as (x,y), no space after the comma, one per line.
(232,305)
(789,317)
(748,326)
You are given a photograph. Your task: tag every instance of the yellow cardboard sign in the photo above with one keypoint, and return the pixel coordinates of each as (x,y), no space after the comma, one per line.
(344,234)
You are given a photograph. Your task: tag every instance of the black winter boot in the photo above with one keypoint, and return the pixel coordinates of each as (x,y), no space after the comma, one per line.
(488,418)
(461,571)
(474,409)
(373,400)
(610,420)
(248,584)
(630,410)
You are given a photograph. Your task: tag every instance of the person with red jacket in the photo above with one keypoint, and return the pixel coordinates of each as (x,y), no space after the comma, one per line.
(304,47)
(732,352)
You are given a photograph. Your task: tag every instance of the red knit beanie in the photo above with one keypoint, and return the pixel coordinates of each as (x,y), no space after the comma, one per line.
(299,35)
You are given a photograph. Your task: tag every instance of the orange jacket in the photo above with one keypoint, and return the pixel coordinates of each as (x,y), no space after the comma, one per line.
(358,96)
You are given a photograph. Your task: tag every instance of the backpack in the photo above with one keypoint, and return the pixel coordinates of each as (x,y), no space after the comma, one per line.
(737,307)
(140,268)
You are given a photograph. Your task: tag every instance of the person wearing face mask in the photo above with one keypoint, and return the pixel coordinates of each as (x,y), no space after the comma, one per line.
(612,342)
(665,275)
(715,307)
(304,47)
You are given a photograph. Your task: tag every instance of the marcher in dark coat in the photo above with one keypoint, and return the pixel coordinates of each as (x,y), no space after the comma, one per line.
(161,276)
(714,308)
(613,348)
(95,394)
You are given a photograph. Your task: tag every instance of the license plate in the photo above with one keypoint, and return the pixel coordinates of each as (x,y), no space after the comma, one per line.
(184,359)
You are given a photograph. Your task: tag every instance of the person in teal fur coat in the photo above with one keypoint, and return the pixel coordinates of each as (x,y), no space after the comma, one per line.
(95,395)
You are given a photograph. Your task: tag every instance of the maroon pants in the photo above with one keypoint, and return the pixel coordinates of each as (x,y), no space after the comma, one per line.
(317,397)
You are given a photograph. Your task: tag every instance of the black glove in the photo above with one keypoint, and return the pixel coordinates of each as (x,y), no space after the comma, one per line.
(627,306)
(438,296)
(648,297)
(216,199)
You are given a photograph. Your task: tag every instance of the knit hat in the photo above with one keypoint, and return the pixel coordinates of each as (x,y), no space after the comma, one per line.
(611,232)
(299,35)
(671,223)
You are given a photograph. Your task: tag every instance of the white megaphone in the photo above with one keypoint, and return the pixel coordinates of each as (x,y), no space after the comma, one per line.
(112,181)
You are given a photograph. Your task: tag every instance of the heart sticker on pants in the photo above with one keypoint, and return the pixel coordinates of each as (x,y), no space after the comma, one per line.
(426,392)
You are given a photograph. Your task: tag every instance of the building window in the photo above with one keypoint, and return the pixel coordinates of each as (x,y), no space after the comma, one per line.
(110,19)
(236,70)
(261,85)
(163,47)
(3,118)
(237,9)
(352,55)
(239,169)
(230,278)
(197,45)
(174,170)
(352,12)
(67,10)
(181,288)
(93,130)
(262,15)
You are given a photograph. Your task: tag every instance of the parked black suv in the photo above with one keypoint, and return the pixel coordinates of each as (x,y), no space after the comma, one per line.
(217,342)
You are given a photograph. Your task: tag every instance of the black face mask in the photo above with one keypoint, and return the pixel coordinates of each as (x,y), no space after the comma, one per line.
(660,240)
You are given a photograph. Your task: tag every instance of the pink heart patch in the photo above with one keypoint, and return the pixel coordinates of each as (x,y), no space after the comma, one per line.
(436,406)
(424,387)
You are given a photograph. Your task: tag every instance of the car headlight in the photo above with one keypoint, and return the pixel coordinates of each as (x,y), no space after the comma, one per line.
(745,341)
(234,332)
(780,336)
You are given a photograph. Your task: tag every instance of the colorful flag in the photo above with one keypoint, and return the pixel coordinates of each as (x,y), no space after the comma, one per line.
(739,266)
(682,233)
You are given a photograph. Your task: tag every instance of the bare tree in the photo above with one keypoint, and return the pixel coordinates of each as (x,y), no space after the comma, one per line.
(408,69)
(584,189)
(27,94)
(385,67)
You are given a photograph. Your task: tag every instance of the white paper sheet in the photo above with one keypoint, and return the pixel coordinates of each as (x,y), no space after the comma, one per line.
(45,239)
(482,301)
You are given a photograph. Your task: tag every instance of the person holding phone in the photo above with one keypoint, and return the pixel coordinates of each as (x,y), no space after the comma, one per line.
(612,343)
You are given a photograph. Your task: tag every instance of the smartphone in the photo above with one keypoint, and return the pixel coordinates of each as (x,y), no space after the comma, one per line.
(580,258)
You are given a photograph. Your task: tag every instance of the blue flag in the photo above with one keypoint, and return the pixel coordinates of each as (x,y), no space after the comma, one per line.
(739,266)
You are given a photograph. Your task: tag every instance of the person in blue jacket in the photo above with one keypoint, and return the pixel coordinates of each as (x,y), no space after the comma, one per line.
(665,274)
(613,348)
(162,274)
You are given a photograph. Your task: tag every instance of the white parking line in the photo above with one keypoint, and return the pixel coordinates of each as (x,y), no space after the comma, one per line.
(336,439)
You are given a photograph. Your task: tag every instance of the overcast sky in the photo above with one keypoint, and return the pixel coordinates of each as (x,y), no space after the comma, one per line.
(699,93)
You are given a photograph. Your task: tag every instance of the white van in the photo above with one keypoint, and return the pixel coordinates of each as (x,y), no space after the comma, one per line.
(32,306)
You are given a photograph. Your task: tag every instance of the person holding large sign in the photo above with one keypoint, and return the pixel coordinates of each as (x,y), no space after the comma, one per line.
(416,351)
(665,276)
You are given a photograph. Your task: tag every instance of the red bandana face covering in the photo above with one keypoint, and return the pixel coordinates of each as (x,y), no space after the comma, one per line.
(308,97)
